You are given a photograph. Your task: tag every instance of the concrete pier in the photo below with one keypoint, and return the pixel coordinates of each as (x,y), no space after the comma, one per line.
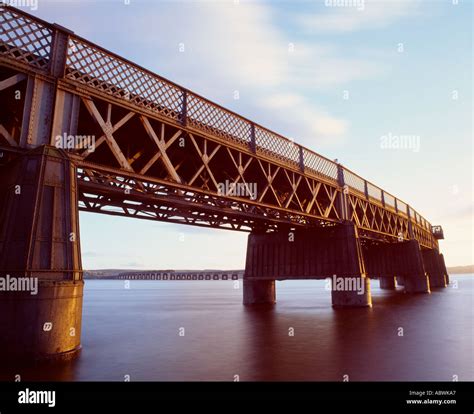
(314,253)
(387,282)
(443,266)
(403,259)
(352,297)
(417,284)
(412,268)
(259,292)
(434,265)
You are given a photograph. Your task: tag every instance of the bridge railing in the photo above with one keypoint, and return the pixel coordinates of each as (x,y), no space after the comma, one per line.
(24,38)
(30,41)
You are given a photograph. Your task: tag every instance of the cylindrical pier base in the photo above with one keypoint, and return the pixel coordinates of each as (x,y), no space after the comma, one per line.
(417,284)
(42,326)
(387,282)
(351,292)
(259,292)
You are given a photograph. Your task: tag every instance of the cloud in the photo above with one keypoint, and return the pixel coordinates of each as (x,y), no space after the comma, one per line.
(229,47)
(132,264)
(308,122)
(282,101)
(238,46)
(459,214)
(91,254)
(228,42)
(374,14)
(313,68)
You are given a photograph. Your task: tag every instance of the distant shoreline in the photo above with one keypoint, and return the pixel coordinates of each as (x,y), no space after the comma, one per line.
(460,269)
(206,274)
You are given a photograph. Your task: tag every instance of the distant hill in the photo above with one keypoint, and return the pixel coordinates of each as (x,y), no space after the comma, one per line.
(461,269)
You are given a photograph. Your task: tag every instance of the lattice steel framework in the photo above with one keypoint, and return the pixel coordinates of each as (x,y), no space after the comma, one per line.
(164,152)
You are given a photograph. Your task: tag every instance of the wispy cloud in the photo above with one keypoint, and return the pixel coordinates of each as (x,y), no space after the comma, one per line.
(308,122)
(230,47)
(373,14)
(132,264)
(218,48)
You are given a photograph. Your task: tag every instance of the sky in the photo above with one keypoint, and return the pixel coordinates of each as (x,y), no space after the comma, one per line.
(341,80)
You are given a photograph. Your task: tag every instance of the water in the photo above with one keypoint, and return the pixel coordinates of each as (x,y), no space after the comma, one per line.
(135,332)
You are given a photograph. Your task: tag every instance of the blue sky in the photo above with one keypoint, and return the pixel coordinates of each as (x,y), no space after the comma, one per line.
(405,67)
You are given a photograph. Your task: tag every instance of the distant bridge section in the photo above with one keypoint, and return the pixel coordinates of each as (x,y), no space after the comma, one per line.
(177,275)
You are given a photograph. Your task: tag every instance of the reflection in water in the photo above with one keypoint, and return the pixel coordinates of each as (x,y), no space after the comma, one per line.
(136,332)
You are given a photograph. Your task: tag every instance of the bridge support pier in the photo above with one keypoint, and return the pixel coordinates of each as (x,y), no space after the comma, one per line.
(403,259)
(443,266)
(259,292)
(40,251)
(358,295)
(434,265)
(417,284)
(316,253)
(387,282)
(411,267)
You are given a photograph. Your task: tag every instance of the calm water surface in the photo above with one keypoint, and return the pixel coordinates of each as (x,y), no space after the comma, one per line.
(136,332)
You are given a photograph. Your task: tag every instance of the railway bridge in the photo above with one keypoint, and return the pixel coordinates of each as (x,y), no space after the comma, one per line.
(83,129)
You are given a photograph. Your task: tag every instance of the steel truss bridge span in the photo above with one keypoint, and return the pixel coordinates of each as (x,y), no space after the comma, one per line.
(170,150)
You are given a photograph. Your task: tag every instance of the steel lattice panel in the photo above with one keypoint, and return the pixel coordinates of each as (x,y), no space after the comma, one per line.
(99,70)
(319,165)
(24,40)
(208,117)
